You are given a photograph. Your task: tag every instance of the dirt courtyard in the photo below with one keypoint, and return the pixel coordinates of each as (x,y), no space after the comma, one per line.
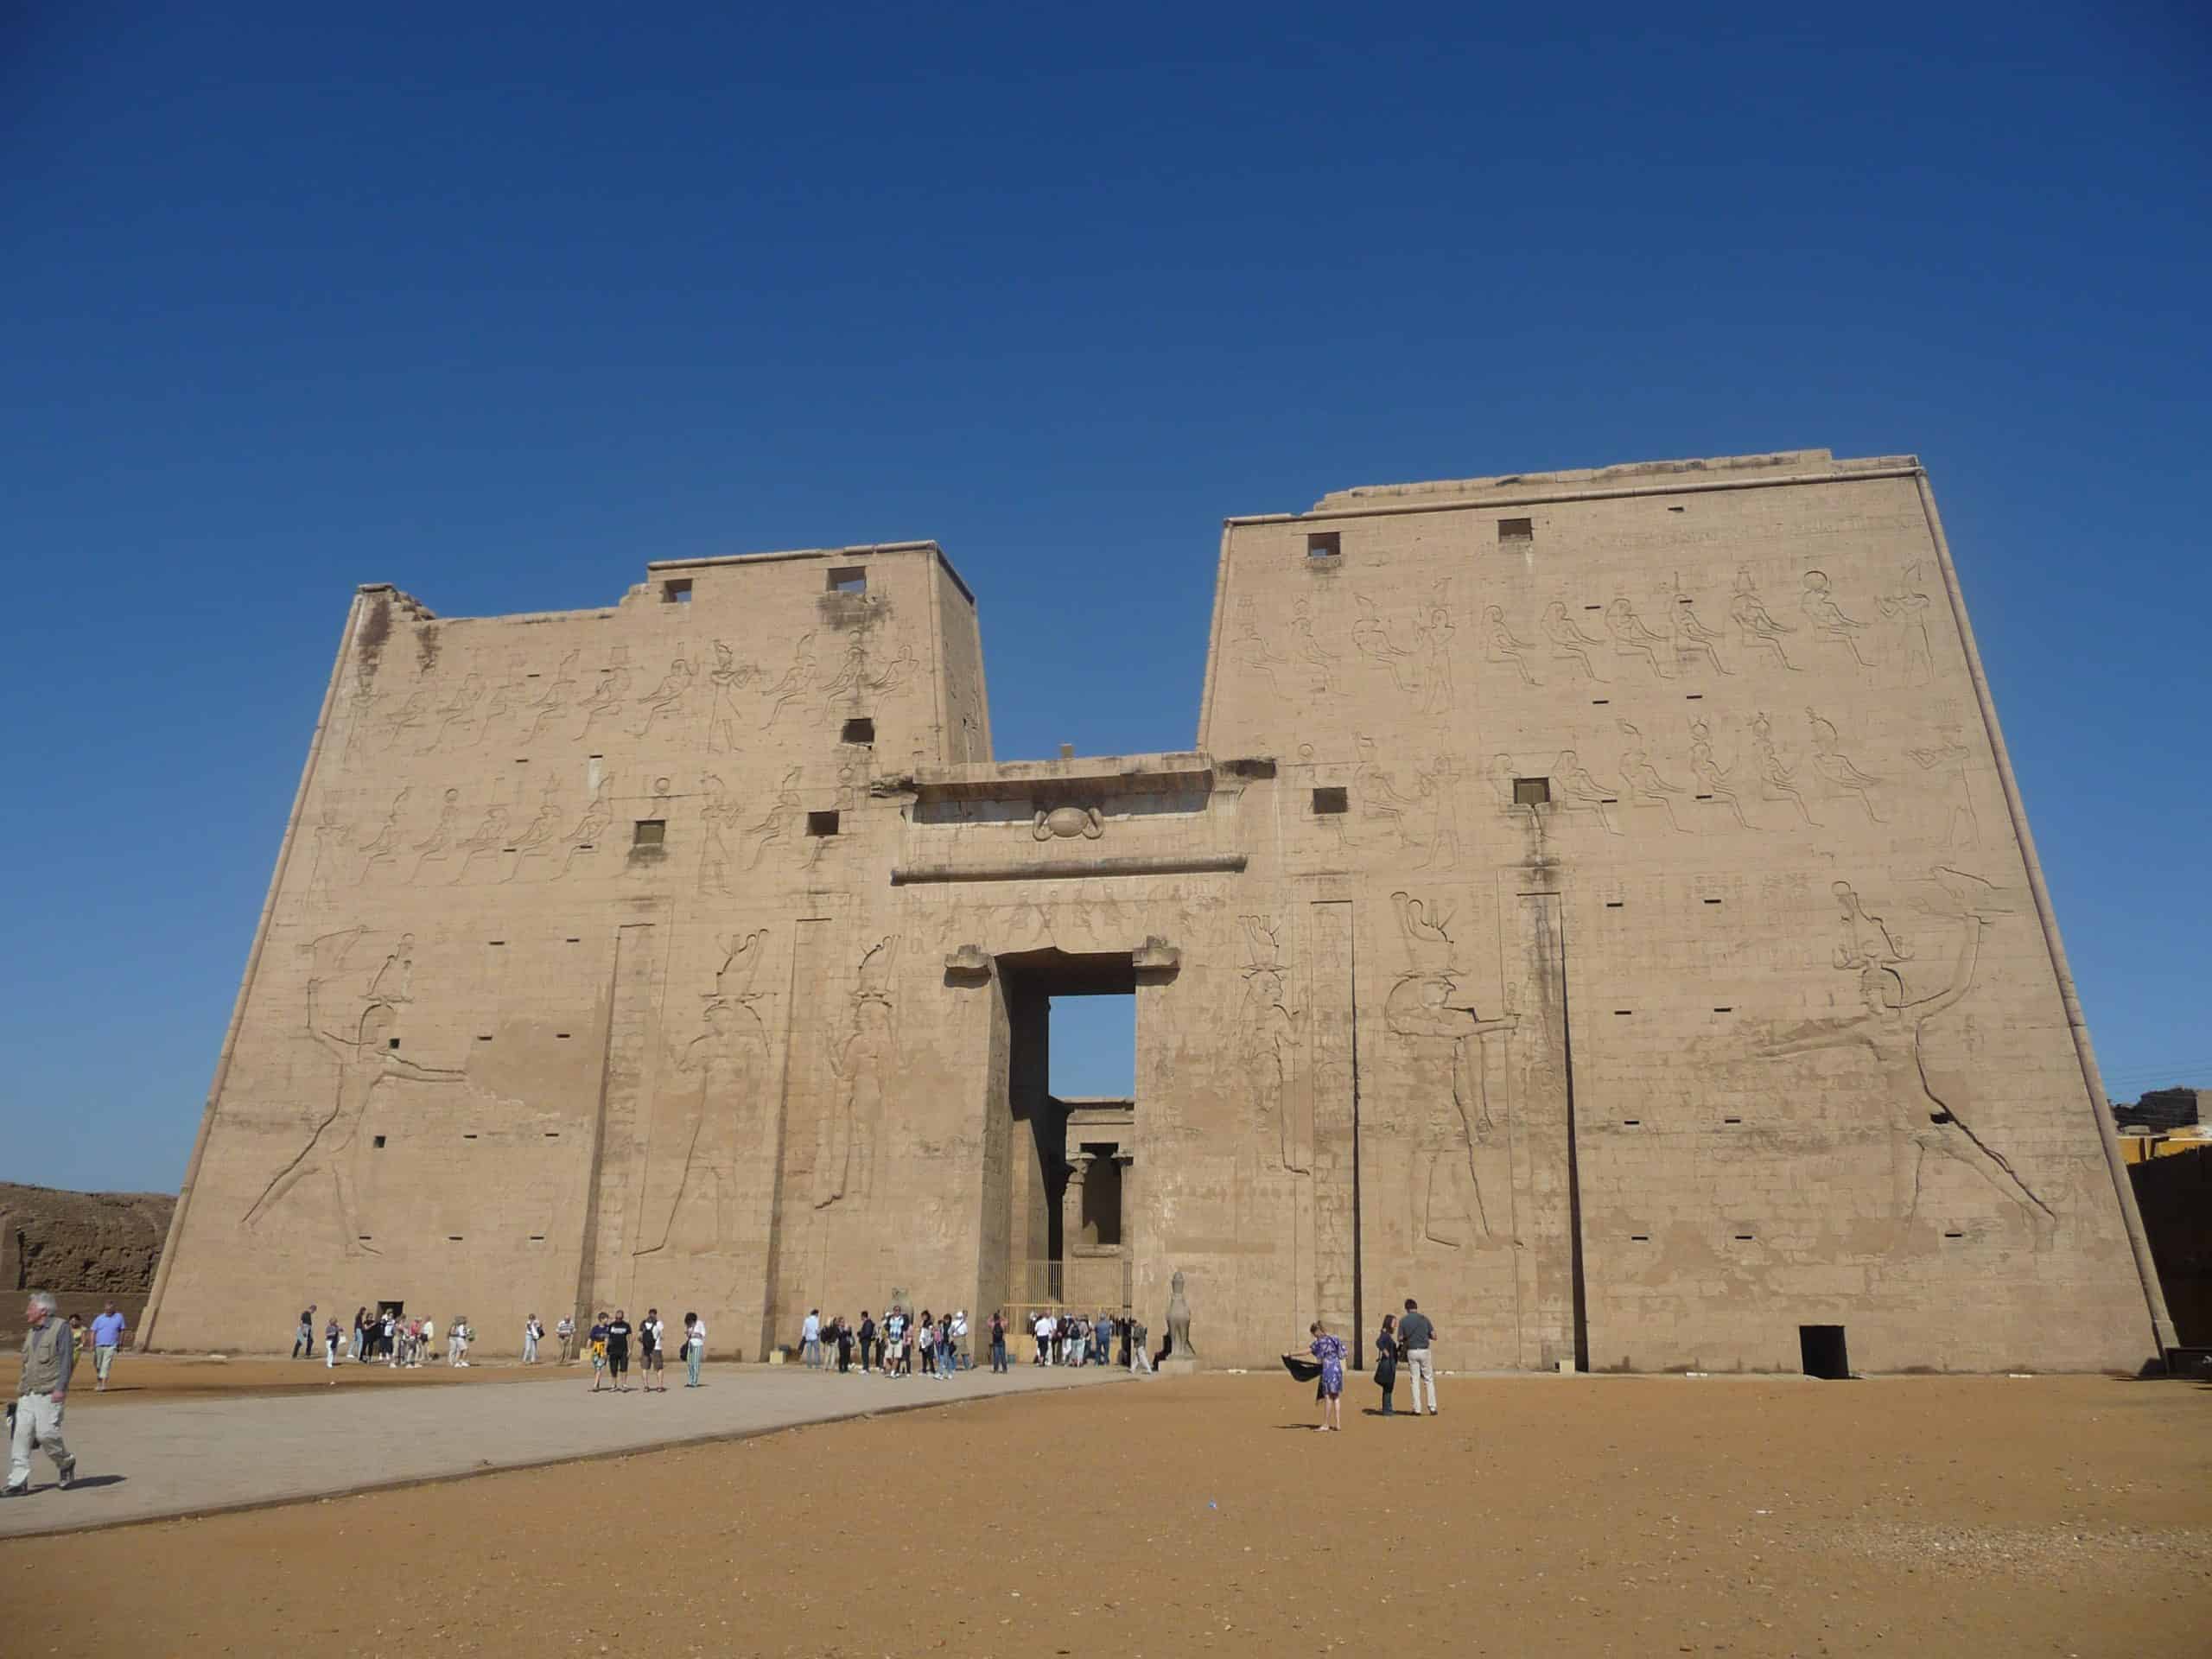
(1952,1516)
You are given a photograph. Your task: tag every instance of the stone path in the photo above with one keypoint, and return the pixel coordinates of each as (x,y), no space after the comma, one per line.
(196,1457)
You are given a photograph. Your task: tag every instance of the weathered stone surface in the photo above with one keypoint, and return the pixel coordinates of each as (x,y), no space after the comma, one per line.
(1595,906)
(88,1248)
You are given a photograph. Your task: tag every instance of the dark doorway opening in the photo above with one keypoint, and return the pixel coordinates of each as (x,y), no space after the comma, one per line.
(1054,1232)
(1821,1348)
(397,1310)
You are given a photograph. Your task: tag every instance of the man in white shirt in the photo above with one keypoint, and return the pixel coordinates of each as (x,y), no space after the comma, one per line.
(961,1359)
(531,1329)
(566,1330)
(428,1345)
(809,1339)
(1045,1326)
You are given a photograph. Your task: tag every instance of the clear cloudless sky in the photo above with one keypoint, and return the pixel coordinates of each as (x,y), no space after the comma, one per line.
(500,310)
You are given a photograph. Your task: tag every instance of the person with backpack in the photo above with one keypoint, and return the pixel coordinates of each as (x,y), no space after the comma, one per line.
(998,1342)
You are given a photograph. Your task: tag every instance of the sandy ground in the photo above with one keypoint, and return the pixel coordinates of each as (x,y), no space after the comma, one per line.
(1951,1516)
(137,1378)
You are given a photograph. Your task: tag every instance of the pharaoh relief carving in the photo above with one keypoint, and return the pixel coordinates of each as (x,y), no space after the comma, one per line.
(1830,625)
(1778,777)
(713,1119)
(1949,758)
(540,835)
(590,834)
(1715,782)
(1578,791)
(609,696)
(555,701)
(1318,661)
(1832,765)
(1755,626)
(1907,607)
(1920,1123)
(319,1179)
(435,848)
(1372,640)
(1267,1043)
(777,821)
(1641,780)
(666,698)
(1248,647)
(1694,641)
(796,684)
(1500,646)
(1632,639)
(1568,643)
(1447,1045)
(728,677)
(862,1059)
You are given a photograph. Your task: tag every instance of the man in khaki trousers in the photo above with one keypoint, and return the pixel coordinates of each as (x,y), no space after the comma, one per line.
(49,1355)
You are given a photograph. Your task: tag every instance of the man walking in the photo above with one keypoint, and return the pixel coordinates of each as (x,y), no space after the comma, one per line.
(49,1354)
(1139,1358)
(303,1340)
(107,1337)
(1414,1334)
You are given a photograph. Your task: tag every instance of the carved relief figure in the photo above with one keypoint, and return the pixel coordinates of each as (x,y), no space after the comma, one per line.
(1947,754)
(592,827)
(1440,786)
(861,1064)
(489,838)
(538,835)
(1711,775)
(1378,797)
(1832,764)
(507,697)
(433,847)
(717,1123)
(409,716)
(1868,941)
(775,821)
(797,684)
(393,983)
(668,696)
(1435,667)
(1267,1039)
(609,695)
(1569,644)
(1827,618)
(366,1060)
(1892,1030)
(554,701)
(1250,648)
(1692,639)
(1777,780)
(1445,1037)
(1907,607)
(1581,792)
(1633,639)
(1645,787)
(456,716)
(1372,640)
(1312,653)
(331,837)
(1749,613)
(1500,646)
(727,677)
(717,820)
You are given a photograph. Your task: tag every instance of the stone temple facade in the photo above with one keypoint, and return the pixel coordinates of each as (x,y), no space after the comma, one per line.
(1597,905)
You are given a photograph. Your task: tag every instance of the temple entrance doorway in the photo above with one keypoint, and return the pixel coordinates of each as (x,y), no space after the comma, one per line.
(1058,1228)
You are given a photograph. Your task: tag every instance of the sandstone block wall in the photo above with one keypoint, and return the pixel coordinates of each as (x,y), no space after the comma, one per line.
(1594,905)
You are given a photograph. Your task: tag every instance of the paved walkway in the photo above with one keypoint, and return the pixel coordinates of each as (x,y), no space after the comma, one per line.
(196,1457)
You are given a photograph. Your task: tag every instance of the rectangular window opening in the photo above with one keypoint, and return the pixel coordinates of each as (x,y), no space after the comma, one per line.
(649,832)
(848,579)
(1517,530)
(391,1042)
(676,592)
(1329,801)
(858,731)
(379,1141)
(1325,544)
(1821,1348)
(1532,791)
(821,823)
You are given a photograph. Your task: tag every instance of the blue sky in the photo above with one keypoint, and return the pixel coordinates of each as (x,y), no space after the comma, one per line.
(500,311)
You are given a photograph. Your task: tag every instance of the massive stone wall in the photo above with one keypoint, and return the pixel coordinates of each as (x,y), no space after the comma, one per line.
(1595,906)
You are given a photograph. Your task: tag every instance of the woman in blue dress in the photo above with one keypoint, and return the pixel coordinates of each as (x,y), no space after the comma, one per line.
(1330,1351)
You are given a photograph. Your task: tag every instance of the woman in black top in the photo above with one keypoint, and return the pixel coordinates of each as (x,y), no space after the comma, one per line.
(1386,1360)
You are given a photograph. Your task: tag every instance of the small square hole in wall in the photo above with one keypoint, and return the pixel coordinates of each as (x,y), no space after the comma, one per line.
(1329,801)
(821,823)
(1517,530)
(649,832)
(391,1042)
(675,593)
(858,731)
(848,579)
(1325,544)
(378,1142)
(1532,791)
